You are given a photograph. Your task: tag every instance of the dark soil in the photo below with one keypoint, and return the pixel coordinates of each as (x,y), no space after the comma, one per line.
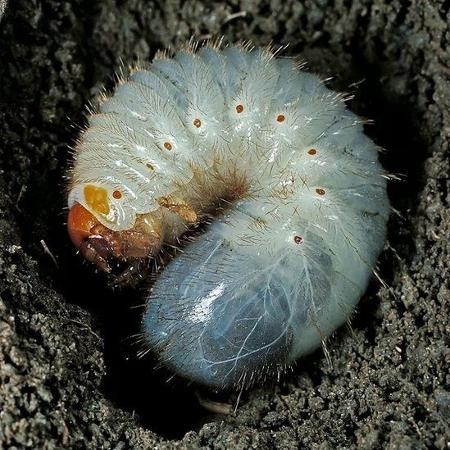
(69,376)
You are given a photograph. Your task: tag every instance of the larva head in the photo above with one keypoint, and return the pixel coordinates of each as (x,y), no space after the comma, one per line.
(92,238)
(101,244)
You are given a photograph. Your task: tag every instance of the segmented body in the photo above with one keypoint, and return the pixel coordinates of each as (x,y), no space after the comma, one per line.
(297,191)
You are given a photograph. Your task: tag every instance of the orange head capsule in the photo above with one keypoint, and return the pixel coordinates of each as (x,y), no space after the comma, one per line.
(96,242)
(99,244)
(80,222)
(90,236)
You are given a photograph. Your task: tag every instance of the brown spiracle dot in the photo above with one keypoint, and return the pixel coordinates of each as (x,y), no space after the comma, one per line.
(197,123)
(312,151)
(280,118)
(298,239)
(150,166)
(117,195)
(167,145)
(239,108)
(320,191)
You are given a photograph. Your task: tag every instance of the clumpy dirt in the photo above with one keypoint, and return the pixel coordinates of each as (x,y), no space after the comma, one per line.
(69,376)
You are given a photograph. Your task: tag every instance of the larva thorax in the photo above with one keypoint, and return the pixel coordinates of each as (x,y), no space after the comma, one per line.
(295,187)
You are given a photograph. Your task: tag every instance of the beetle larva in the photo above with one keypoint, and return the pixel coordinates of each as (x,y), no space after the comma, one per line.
(295,188)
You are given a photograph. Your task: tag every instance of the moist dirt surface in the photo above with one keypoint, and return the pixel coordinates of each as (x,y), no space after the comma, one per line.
(69,374)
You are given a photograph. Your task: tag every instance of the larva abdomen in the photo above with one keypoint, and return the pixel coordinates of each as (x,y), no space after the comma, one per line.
(295,188)
(234,312)
(240,304)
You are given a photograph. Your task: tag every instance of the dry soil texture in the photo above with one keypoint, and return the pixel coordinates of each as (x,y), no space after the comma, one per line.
(68,374)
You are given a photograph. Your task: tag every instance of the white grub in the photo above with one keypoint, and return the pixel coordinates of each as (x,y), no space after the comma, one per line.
(293,188)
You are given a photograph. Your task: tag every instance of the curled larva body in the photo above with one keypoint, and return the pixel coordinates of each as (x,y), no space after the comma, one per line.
(302,200)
